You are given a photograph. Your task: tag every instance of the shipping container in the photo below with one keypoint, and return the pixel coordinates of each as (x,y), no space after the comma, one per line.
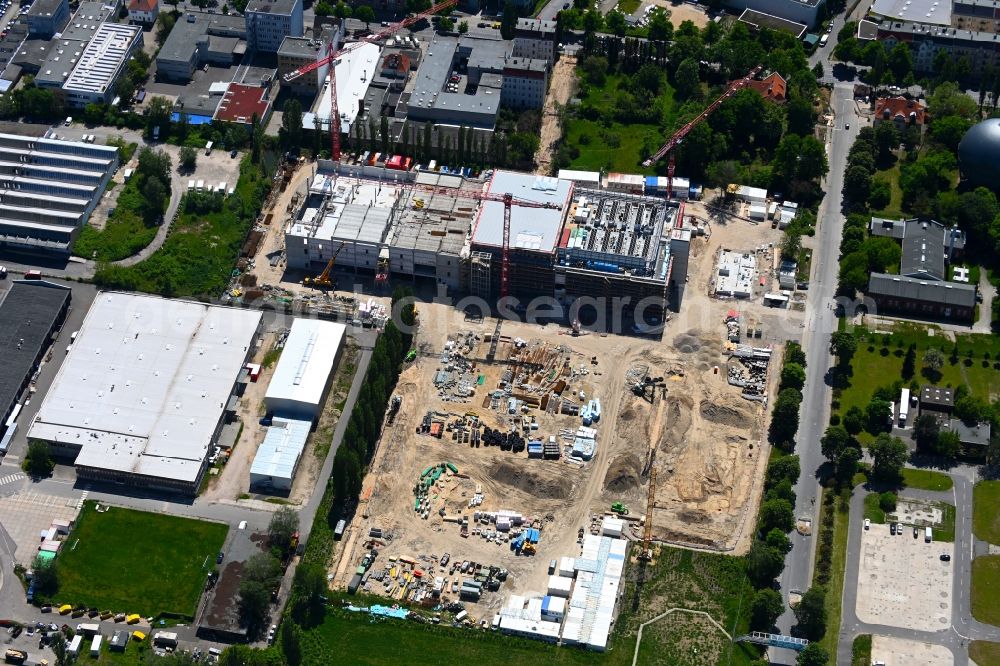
(95,646)
(352,587)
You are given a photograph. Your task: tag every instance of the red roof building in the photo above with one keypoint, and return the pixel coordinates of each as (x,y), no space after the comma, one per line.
(900,111)
(143,11)
(772,88)
(241,103)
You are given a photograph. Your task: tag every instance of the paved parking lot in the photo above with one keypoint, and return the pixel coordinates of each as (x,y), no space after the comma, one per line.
(900,652)
(27,513)
(902,581)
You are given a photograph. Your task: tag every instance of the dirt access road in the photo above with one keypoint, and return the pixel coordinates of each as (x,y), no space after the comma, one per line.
(561,88)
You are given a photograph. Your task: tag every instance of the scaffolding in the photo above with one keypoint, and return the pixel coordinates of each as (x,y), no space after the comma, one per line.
(480,278)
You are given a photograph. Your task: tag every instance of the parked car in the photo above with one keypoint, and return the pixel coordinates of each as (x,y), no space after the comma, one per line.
(868,523)
(219,557)
(945,557)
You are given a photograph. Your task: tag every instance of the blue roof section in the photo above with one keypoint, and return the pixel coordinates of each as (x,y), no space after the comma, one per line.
(651,181)
(192,120)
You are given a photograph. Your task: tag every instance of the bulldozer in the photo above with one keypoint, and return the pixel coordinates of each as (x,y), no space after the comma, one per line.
(620,509)
(323,281)
(529,548)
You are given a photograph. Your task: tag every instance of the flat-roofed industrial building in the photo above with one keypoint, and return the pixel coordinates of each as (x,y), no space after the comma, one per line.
(142,395)
(302,377)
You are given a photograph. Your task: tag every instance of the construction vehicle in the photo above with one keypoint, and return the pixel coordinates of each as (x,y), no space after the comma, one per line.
(332,56)
(529,548)
(394,405)
(646,554)
(646,389)
(620,509)
(679,135)
(323,281)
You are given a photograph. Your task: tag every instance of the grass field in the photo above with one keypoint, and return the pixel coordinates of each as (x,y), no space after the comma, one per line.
(984,652)
(873,511)
(628,7)
(986,511)
(986,590)
(861,651)
(123,235)
(882,356)
(895,208)
(926,479)
(137,562)
(714,583)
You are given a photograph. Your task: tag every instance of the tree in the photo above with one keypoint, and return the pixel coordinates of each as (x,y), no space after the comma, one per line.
(164,24)
(933,360)
(45,577)
(364,13)
(615,23)
(767,606)
(38,462)
(463,27)
(909,362)
(813,655)
(594,69)
(659,28)
(778,540)
(843,345)
(879,194)
(291,642)
(323,8)
(791,245)
(793,376)
(785,468)
(308,591)
(764,564)
(834,440)
(889,455)
(263,568)
(446,24)
(818,70)
(854,420)
(795,354)
(342,10)
(811,613)
(57,643)
(188,158)
(291,120)
(155,196)
(254,605)
(508,24)
(878,415)
(925,432)
(284,523)
(777,514)
(887,501)
(948,131)
(157,115)
(857,184)
(785,418)
(949,444)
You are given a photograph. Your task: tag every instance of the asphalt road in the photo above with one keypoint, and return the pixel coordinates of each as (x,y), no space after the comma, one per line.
(820,323)
(963,627)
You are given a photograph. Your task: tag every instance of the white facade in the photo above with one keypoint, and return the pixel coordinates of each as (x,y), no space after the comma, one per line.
(269,22)
(305,368)
(735,274)
(754,195)
(585,178)
(141,395)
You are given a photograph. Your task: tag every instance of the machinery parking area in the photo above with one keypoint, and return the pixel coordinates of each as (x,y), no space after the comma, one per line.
(899,652)
(27,513)
(903,582)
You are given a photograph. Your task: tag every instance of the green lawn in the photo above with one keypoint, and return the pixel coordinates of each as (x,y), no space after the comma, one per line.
(716,584)
(628,7)
(986,511)
(984,653)
(895,208)
(926,479)
(986,591)
(137,562)
(124,234)
(838,566)
(873,511)
(861,651)
(879,364)
(619,147)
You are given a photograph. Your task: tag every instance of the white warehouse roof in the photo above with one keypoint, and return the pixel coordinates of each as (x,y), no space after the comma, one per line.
(146,383)
(304,368)
(278,455)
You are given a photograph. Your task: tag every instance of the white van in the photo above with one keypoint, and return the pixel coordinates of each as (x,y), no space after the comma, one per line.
(928,535)
(74,645)
(824,39)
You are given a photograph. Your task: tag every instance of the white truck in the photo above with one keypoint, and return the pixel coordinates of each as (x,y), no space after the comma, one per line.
(904,406)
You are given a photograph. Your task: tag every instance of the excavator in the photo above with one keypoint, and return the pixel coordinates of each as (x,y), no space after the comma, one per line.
(323,281)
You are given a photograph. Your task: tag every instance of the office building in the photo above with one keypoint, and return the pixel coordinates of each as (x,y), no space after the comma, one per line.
(525,82)
(95,76)
(268,22)
(47,17)
(535,38)
(797,11)
(198,39)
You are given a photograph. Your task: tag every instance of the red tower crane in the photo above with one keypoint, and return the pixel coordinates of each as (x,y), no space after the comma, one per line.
(508,200)
(335,125)
(679,135)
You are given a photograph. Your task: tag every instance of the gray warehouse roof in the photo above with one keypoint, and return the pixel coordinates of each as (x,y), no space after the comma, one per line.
(530,228)
(27,317)
(929,291)
(44,7)
(977,434)
(541,28)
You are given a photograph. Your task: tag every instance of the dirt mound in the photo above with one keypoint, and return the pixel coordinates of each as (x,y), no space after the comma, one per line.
(723,415)
(693,516)
(623,474)
(687,343)
(528,482)
(627,413)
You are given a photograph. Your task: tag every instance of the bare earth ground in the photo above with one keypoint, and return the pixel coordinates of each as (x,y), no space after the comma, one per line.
(680,12)
(709,442)
(563,85)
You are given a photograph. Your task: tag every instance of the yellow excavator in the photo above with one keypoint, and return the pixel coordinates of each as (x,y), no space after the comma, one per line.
(323,281)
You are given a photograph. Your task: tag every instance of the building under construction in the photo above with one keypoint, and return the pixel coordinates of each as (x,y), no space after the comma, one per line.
(439,227)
